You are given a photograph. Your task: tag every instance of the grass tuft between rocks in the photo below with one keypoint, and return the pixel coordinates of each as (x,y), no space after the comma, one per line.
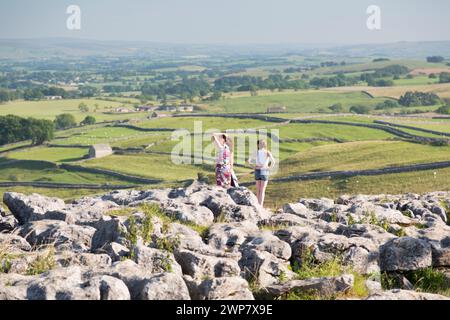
(425,280)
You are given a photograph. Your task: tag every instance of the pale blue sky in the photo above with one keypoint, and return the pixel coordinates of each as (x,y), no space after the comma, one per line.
(229,21)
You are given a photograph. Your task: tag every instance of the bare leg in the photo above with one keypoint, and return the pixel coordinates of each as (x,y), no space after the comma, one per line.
(263,192)
(258,191)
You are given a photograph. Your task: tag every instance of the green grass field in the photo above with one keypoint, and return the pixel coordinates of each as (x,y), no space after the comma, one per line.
(301,101)
(343,132)
(34,171)
(206,123)
(50,109)
(415,182)
(361,155)
(50,154)
(152,166)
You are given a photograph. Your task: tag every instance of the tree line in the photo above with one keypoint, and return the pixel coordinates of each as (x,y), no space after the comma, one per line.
(40,92)
(14,129)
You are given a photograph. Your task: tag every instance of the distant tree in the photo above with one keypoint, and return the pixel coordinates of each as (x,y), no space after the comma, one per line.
(65,121)
(444,77)
(387,104)
(87,91)
(40,131)
(337,108)
(435,59)
(444,110)
(89,120)
(432,76)
(83,107)
(4,96)
(409,76)
(380,60)
(14,129)
(415,99)
(360,109)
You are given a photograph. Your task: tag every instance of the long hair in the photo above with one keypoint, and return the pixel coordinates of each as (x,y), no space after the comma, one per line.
(262,144)
(230,143)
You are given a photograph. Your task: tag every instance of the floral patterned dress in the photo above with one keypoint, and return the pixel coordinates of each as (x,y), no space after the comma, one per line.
(223,167)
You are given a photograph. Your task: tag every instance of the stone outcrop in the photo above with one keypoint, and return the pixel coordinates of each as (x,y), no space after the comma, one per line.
(205,243)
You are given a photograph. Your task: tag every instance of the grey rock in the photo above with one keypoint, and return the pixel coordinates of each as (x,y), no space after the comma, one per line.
(8,223)
(373,287)
(199,266)
(266,241)
(229,288)
(441,253)
(2,211)
(58,284)
(68,258)
(285,219)
(440,212)
(322,204)
(199,215)
(111,288)
(134,276)
(243,196)
(13,243)
(228,236)
(405,254)
(362,261)
(165,286)
(398,294)
(115,251)
(58,233)
(325,286)
(108,229)
(298,209)
(154,260)
(28,208)
(263,267)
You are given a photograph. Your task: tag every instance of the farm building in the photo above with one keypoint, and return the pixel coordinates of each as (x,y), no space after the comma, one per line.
(185,108)
(180,108)
(146,108)
(53,97)
(167,108)
(122,110)
(277,109)
(100,150)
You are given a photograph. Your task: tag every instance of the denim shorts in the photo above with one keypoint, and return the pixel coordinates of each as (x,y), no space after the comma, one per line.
(261,175)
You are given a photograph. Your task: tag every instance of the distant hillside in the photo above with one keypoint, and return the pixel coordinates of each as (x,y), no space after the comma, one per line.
(50,48)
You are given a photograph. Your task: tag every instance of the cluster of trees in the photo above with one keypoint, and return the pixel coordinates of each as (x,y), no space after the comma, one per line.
(15,129)
(67,121)
(384,77)
(250,83)
(339,80)
(39,92)
(186,89)
(435,59)
(416,98)
(332,64)
(360,109)
(444,77)
(118,88)
(445,109)
(387,104)
(380,60)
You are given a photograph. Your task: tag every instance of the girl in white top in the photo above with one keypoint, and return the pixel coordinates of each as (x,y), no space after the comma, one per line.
(263,162)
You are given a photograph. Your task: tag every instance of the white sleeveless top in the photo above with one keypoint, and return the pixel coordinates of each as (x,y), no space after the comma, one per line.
(262,159)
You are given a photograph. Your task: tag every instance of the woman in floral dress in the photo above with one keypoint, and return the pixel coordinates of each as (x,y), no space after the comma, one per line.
(223,160)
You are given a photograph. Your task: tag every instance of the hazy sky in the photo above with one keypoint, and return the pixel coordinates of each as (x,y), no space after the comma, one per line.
(229,21)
